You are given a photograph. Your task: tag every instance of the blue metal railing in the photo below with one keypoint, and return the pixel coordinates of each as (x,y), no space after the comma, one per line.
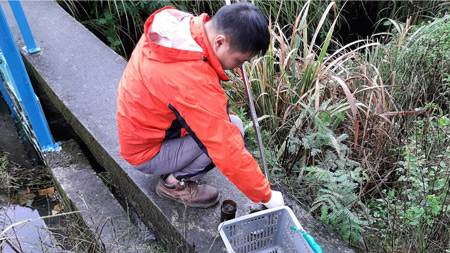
(16,86)
(27,36)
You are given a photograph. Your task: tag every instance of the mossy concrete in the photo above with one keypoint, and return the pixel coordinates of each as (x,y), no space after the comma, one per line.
(80,75)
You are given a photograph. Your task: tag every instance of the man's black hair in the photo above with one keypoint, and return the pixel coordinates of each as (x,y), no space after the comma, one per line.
(245,26)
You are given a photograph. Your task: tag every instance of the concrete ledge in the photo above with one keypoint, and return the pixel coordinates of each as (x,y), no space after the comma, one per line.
(80,75)
(110,225)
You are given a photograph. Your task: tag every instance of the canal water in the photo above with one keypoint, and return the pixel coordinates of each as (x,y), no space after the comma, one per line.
(24,229)
(26,195)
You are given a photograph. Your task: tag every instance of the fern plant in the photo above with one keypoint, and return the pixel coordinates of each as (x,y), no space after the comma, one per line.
(331,178)
(337,199)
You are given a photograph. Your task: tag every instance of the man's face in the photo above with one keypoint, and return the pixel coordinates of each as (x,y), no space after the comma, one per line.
(231,60)
(228,58)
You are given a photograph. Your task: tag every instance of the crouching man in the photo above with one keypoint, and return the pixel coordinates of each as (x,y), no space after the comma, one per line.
(172,114)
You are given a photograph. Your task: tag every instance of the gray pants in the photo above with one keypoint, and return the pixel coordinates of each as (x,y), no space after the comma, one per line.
(182,157)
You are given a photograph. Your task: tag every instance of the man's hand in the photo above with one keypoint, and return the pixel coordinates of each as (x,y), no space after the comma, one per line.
(275,200)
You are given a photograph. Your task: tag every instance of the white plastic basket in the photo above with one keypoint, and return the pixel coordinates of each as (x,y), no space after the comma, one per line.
(264,231)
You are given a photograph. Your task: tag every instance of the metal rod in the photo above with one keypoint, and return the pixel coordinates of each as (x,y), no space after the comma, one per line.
(25,30)
(255,120)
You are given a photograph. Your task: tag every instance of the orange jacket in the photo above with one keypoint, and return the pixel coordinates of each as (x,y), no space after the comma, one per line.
(167,93)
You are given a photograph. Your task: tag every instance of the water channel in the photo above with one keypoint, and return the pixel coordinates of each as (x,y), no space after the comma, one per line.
(26,195)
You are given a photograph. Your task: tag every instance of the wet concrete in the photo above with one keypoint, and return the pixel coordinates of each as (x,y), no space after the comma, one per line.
(80,75)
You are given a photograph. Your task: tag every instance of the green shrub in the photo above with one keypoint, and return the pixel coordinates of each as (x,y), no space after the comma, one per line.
(419,58)
(414,213)
(336,178)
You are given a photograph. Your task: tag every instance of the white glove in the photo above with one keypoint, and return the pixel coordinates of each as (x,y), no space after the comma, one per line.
(275,200)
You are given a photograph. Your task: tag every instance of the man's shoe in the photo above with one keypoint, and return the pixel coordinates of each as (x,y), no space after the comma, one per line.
(191,193)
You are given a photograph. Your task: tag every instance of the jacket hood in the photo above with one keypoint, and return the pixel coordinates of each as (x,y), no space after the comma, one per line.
(154,49)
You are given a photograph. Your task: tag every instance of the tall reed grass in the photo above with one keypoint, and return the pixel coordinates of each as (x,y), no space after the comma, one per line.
(297,74)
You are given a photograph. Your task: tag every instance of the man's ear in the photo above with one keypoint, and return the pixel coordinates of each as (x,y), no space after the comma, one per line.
(219,41)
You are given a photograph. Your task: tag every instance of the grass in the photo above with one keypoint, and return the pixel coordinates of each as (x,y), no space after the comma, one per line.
(296,75)
(4,176)
(120,23)
(15,177)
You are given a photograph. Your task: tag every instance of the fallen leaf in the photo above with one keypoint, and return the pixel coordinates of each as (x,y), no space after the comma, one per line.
(22,199)
(58,207)
(47,191)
